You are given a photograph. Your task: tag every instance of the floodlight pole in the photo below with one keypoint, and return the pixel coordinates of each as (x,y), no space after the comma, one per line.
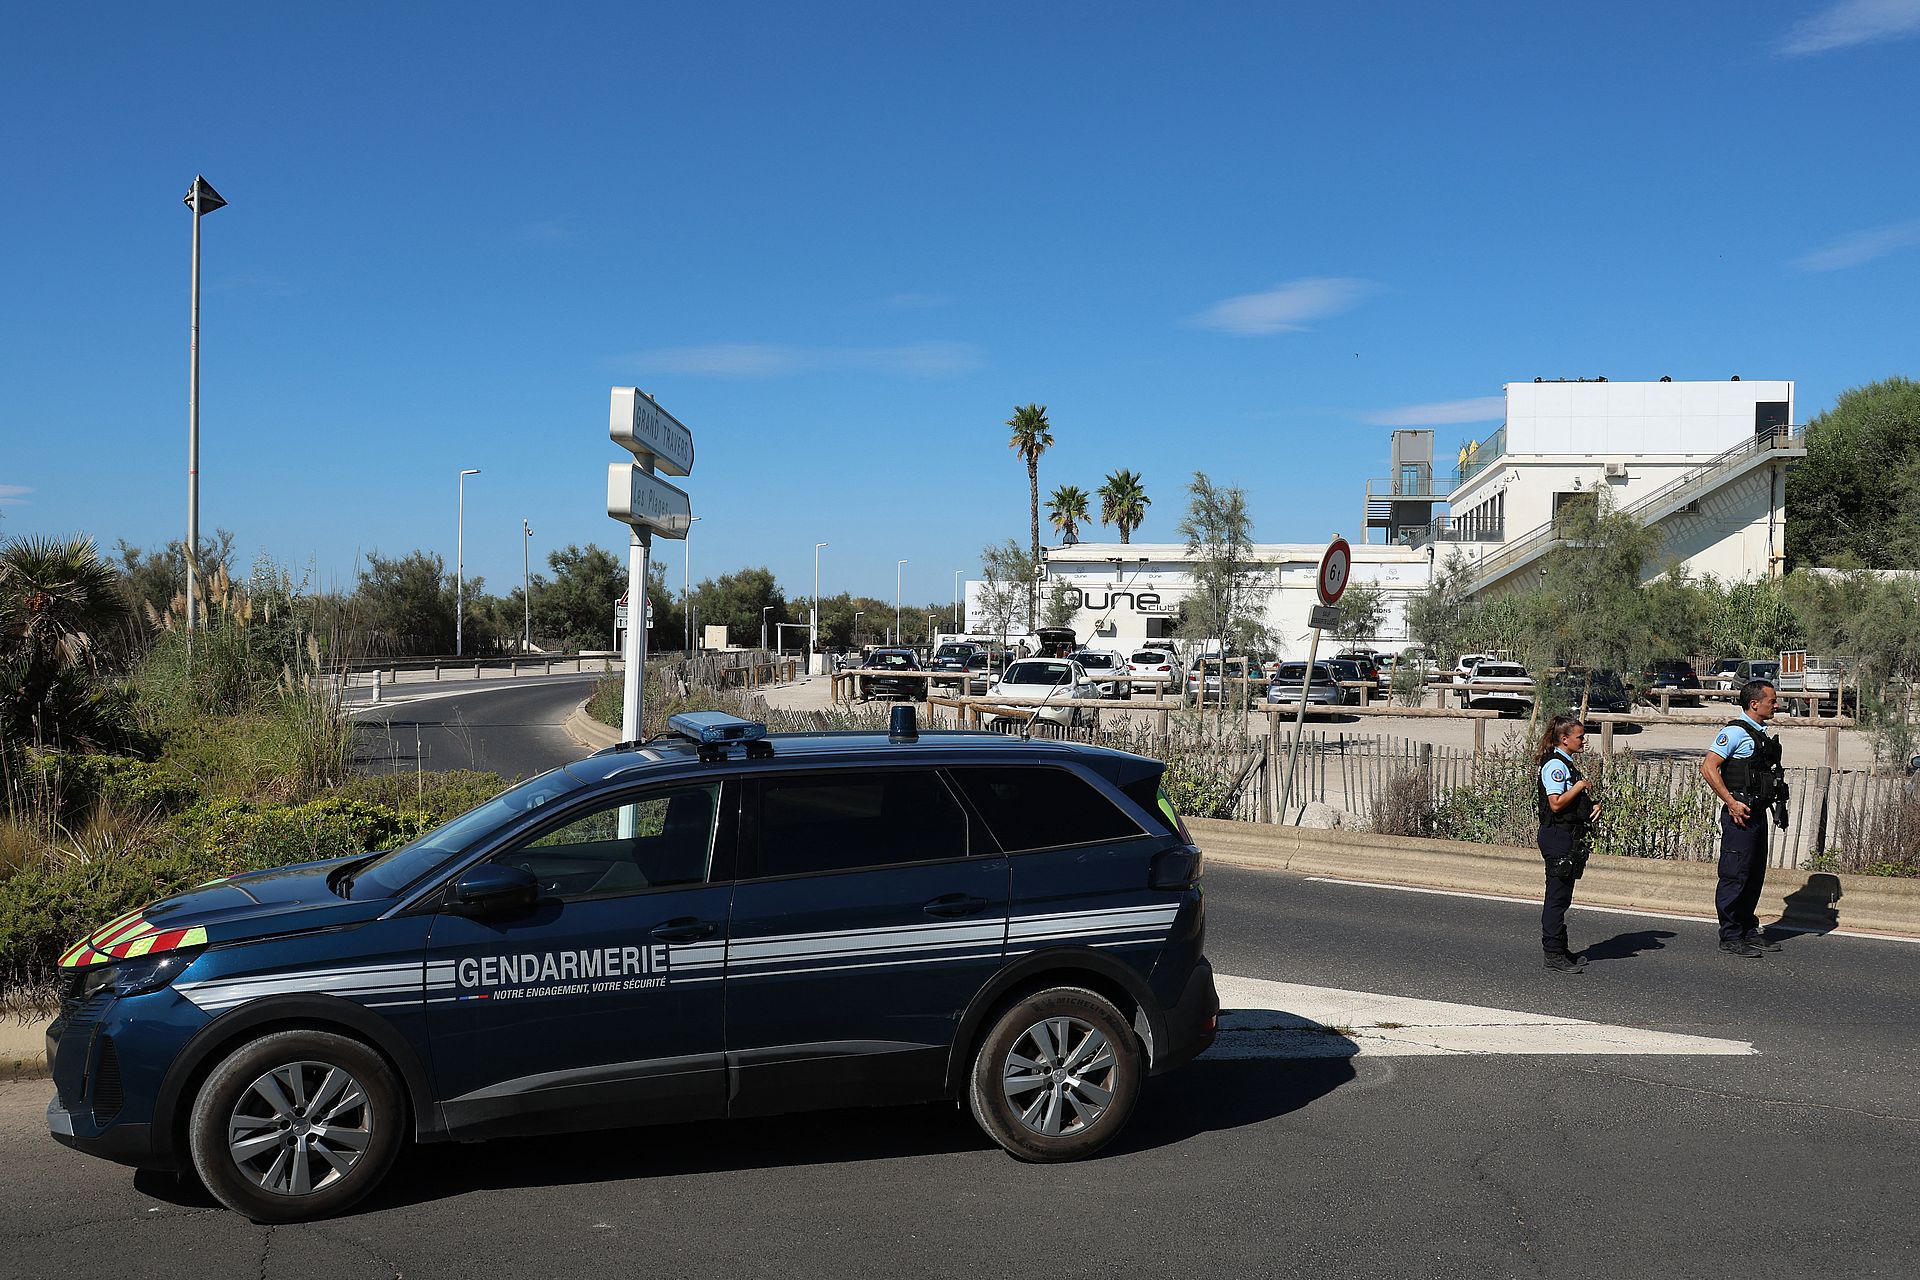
(460,567)
(896,600)
(813,630)
(526,590)
(202,199)
(686,582)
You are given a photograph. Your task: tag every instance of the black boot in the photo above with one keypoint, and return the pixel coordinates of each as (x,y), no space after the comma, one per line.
(1561,962)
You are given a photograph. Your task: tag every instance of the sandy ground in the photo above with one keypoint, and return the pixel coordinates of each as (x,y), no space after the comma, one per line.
(1804,743)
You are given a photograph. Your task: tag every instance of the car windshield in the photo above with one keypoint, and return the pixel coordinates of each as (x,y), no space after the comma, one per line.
(394,871)
(1039,673)
(953,651)
(1101,660)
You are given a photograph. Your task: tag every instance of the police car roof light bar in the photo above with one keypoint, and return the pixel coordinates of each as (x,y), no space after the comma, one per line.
(715,728)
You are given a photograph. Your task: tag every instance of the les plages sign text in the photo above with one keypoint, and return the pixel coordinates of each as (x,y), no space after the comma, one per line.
(1102,601)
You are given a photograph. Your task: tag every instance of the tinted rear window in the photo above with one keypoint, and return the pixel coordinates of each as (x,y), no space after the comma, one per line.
(847,820)
(1150,659)
(1043,808)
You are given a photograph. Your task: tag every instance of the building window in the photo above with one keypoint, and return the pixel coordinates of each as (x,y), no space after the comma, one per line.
(1579,506)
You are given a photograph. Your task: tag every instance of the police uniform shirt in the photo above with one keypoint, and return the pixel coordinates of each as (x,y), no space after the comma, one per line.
(1555,777)
(1732,745)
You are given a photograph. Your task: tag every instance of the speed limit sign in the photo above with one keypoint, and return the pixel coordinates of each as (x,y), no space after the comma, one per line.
(1336,567)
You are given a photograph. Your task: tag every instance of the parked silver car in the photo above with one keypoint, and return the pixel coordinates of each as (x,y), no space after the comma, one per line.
(1287,677)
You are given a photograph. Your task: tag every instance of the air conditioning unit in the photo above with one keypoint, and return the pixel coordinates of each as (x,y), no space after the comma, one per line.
(1616,468)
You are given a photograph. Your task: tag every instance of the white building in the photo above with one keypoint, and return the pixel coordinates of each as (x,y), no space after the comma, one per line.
(1129,594)
(1704,462)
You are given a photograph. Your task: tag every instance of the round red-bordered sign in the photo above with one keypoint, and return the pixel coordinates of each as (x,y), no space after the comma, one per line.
(1335,568)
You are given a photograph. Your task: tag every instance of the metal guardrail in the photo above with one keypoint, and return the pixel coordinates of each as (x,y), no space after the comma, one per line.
(1524,548)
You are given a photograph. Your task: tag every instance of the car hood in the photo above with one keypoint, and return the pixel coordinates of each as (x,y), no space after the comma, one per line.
(235,908)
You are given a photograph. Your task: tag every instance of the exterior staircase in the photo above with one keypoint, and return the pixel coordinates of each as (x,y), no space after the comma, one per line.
(1651,508)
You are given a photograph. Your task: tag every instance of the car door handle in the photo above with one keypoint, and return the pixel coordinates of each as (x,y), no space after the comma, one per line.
(685,929)
(954,904)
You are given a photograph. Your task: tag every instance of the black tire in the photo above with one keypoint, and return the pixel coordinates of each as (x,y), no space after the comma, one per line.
(368,1108)
(997,1107)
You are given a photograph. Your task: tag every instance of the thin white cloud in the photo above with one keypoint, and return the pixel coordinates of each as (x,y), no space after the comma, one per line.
(13,494)
(1284,308)
(1852,22)
(1441,413)
(1861,246)
(775,360)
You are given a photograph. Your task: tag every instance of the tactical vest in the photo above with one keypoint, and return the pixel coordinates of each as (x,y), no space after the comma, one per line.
(1577,814)
(1753,775)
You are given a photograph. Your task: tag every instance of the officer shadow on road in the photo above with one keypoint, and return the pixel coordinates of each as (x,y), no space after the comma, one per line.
(1808,909)
(1625,946)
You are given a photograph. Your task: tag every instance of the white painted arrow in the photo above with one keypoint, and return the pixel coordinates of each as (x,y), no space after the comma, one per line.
(1262,1019)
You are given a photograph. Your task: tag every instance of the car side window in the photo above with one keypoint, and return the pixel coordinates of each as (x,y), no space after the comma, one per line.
(1043,808)
(869,818)
(629,844)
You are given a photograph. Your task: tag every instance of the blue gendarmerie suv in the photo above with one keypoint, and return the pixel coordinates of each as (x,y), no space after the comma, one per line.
(718,922)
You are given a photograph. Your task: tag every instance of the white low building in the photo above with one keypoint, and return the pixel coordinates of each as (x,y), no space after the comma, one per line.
(1703,462)
(1128,595)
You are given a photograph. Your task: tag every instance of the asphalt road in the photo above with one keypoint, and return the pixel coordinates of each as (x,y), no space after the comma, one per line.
(513,727)
(1797,1160)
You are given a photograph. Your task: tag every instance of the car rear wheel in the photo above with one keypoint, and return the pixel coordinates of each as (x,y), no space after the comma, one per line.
(1057,1076)
(295,1125)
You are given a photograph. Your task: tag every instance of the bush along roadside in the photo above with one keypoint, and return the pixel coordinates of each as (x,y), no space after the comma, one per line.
(129,850)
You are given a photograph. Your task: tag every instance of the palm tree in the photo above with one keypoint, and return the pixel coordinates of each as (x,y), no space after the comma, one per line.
(1067,509)
(1124,502)
(1032,436)
(58,604)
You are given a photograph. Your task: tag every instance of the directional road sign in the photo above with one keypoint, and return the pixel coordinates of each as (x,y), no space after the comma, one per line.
(645,501)
(649,432)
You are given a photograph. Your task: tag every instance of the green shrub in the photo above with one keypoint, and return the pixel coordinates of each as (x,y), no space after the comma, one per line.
(441,796)
(78,783)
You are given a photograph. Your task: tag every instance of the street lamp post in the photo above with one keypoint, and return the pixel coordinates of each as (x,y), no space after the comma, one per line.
(686,581)
(526,590)
(202,199)
(813,629)
(959,624)
(896,601)
(856,626)
(460,568)
(763,625)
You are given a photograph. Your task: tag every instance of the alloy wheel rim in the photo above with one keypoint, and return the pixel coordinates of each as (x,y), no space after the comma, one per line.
(1059,1076)
(300,1127)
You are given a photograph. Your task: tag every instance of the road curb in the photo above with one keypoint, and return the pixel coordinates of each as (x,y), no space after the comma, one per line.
(588,732)
(1800,899)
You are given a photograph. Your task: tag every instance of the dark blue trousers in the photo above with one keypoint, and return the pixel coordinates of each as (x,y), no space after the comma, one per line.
(1743,872)
(1553,914)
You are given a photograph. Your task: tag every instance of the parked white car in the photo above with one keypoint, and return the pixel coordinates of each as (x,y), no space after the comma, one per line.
(1156,662)
(1463,670)
(1051,678)
(1502,686)
(1108,671)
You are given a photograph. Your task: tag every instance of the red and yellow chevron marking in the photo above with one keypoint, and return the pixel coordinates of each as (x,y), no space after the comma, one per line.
(127,937)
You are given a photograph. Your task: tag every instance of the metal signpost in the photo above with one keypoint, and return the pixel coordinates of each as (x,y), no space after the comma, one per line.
(1336,567)
(647,505)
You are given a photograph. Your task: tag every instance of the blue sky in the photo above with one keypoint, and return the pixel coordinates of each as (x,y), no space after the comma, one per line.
(843,241)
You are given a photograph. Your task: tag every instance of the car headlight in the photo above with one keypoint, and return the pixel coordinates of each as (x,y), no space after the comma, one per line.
(136,977)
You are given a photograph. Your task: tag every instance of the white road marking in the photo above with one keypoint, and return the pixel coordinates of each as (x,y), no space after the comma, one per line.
(1262,1019)
(1611,911)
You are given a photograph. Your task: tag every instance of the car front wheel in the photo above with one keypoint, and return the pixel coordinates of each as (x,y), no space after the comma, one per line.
(1057,1076)
(296,1125)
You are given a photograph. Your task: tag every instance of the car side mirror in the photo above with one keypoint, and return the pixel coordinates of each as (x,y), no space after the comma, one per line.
(494,889)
